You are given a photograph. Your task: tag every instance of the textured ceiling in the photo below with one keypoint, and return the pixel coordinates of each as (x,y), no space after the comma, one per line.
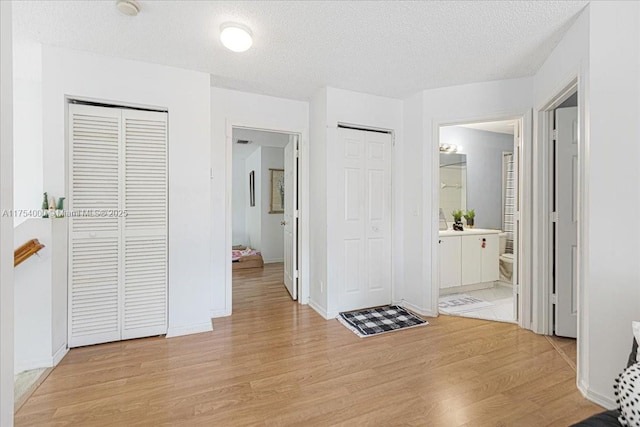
(389,48)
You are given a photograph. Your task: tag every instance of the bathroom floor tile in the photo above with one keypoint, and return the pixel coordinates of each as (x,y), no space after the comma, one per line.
(502,309)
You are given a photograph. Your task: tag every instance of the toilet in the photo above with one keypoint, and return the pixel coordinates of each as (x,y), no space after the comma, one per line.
(506,260)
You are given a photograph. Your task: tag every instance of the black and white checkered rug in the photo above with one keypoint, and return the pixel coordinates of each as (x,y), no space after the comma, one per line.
(378,320)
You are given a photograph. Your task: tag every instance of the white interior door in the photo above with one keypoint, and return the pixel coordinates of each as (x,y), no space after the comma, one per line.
(566,226)
(144,248)
(118,246)
(513,190)
(94,262)
(363,195)
(291,217)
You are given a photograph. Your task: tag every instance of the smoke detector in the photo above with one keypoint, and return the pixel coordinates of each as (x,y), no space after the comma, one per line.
(128,7)
(243,141)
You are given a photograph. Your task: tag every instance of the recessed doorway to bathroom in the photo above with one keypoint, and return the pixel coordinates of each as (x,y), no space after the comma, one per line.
(478,238)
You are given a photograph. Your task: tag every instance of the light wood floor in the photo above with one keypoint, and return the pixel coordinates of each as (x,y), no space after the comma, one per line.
(275,362)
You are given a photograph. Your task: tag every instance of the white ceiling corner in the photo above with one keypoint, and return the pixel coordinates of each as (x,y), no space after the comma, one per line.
(387,48)
(257,138)
(502,126)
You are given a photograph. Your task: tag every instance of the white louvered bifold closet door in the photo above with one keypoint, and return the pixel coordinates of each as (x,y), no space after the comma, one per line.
(117,263)
(145,226)
(94,247)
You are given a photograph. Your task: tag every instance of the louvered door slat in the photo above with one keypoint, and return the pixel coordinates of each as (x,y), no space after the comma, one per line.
(145,294)
(95,164)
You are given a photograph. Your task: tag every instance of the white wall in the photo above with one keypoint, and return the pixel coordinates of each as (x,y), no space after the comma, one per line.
(484,152)
(254,213)
(229,107)
(33,299)
(240,201)
(450,105)
(27,127)
(602,49)
(612,284)
(365,110)
(6,223)
(272,239)
(568,61)
(40,333)
(318,203)
(186,96)
(413,199)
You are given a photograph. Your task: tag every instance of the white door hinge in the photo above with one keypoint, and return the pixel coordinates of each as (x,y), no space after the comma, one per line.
(555,134)
(296,213)
(554,216)
(554,299)
(296,274)
(516,215)
(516,288)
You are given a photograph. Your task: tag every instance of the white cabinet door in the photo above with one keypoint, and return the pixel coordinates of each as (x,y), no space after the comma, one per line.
(450,262)
(471,259)
(490,257)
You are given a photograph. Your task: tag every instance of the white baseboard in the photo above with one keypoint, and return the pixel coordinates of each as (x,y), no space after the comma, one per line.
(597,398)
(189,329)
(60,354)
(28,365)
(45,362)
(273,261)
(418,310)
(316,307)
(220,313)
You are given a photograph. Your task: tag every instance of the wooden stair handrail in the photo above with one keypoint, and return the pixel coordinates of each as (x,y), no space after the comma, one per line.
(25,251)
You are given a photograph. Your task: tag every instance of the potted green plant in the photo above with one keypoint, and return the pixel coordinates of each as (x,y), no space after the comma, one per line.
(469,216)
(457,220)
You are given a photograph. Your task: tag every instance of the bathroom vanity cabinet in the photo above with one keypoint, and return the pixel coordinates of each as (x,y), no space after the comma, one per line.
(468,257)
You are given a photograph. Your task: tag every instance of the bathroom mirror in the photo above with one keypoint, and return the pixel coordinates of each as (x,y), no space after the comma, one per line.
(453,183)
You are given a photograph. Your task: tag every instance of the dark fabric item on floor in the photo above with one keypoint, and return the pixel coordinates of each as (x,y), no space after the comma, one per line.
(379,320)
(603,419)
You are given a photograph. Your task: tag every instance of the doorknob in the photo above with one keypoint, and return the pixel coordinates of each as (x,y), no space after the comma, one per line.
(283,222)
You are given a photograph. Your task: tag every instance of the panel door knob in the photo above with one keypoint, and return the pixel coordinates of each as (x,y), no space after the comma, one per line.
(283,222)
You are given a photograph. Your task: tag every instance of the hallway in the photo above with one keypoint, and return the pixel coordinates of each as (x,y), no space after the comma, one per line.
(274,362)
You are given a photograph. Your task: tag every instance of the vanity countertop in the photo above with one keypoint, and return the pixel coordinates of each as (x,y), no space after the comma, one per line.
(468,232)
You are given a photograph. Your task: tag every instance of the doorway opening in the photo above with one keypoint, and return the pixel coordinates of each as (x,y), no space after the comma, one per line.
(265,211)
(559,251)
(479,205)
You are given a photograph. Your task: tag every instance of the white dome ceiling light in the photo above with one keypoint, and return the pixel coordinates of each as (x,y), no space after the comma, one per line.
(128,7)
(235,37)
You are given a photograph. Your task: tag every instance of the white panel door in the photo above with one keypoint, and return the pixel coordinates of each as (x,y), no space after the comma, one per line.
(364,224)
(94,262)
(566,240)
(450,262)
(144,284)
(290,217)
